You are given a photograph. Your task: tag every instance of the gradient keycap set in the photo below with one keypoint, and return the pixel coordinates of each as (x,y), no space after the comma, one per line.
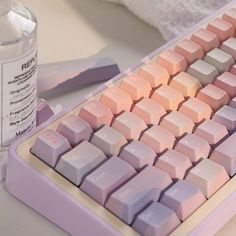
(152,152)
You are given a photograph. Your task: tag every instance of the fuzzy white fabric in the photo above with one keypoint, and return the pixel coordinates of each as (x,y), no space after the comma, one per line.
(172,17)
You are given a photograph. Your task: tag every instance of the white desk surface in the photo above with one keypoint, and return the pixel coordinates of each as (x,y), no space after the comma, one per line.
(70,29)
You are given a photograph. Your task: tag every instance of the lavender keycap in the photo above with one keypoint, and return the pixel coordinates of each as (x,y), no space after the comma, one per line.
(75,129)
(141,190)
(109,141)
(233,103)
(43,111)
(138,154)
(184,198)
(49,146)
(80,161)
(106,178)
(156,220)
(227,117)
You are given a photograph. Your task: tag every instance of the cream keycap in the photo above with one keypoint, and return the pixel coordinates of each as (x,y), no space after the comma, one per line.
(209,176)
(172,61)
(155,74)
(229,46)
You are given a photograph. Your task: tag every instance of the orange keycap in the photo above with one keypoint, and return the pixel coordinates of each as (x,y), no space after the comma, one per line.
(172,61)
(155,74)
(186,84)
(213,96)
(169,97)
(136,86)
(116,99)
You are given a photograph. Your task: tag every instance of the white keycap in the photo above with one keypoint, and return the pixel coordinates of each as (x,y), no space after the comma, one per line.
(229,46)
(3,165)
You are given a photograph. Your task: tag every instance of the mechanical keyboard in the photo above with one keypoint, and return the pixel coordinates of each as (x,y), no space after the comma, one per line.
(151,152)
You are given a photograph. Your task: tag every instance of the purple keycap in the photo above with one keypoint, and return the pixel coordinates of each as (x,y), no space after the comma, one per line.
(75,129)
(49,146)
(141,190)
(156,219)
(43,111)
(106,178)
(184,198)
(138,154)
(80,161)
(227,117)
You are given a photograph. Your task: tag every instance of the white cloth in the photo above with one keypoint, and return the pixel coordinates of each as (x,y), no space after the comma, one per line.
(172,17)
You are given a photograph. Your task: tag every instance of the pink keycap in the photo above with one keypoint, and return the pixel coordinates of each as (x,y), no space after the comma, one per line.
(213,96)
(211,131)
(227,82)
(196,109)
(167,96)
(116,99)
(209,176)
(172,61)
(225,154)
(155,74)
(190,50)
(186,84)
(177,123)
(149,110)
(221,28)
(96,114)
(184,198)
(174,163)
(158,138)
(230,16)
(75,129)
(229,46)
(138,154)
(206,39)
(129,124)
(233,103)
(107,178)
(49,146)
(194,147)
(136,86)
(233,70)
(137,193)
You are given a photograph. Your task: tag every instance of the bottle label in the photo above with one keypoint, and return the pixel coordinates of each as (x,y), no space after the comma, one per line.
(18,86)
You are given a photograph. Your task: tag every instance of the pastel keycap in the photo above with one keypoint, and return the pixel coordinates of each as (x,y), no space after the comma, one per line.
(184,198)
(130,125)
(172,61)
(137,193)
(149,110)
(194,147)
(158,138)
(138,154)
(230,16)
(212,131)
(227,117)
(209,176)
(167,96)
(225,154)
(190,50)
(116,99)
(233,69)
(177,123)
(186,84)
(79,161)
(213,96)
(96,114)
(174,163)
(106,178)
(221,28)
(136,86)
(43,111)
(49,146)
(229,46)
(75,129)
(156,219)
(227,82)
(221,60)
(203,71)
(233,103)
(155,74)
(109,141)
(196,109)
(206,39)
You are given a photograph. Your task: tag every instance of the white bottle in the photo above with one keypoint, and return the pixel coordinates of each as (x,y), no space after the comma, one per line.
(18,71)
